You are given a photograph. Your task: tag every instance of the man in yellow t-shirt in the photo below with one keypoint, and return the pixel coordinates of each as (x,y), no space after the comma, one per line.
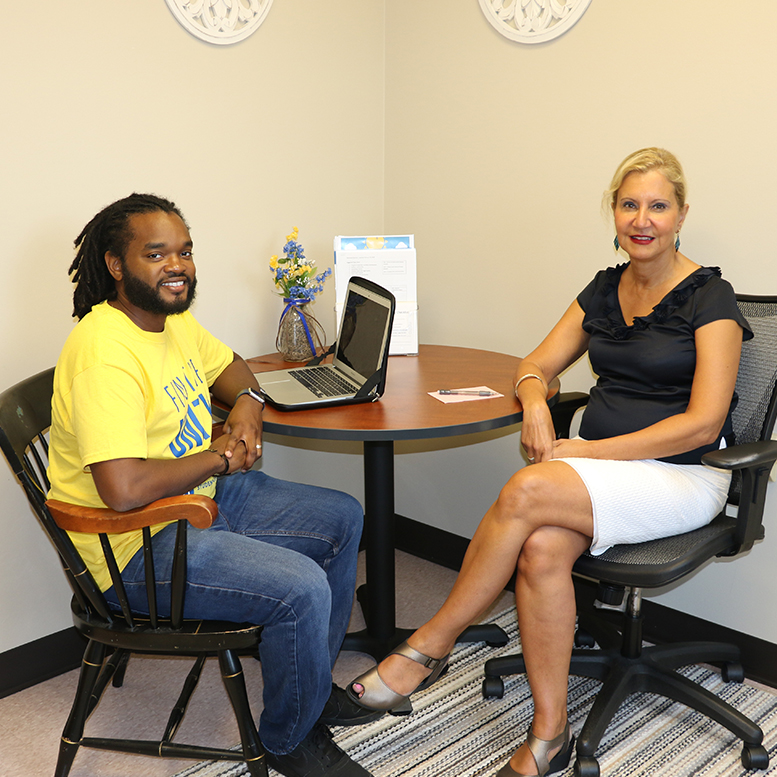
(131,424)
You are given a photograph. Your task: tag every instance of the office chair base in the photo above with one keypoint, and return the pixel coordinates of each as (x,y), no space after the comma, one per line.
(753,757)
(652,671)
(586,767)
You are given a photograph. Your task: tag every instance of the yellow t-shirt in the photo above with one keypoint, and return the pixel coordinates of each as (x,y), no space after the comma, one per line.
(121,392)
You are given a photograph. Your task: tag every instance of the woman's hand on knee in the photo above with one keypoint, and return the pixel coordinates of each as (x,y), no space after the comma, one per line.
(573,449)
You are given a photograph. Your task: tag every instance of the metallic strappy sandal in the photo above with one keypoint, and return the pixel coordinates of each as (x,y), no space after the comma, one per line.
(539,748)
(378,696)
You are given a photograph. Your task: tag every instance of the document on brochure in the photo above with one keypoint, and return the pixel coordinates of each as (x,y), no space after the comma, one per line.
(389,260)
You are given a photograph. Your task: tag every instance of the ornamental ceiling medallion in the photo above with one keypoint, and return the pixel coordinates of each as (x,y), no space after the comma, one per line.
(533,21)
(220,21)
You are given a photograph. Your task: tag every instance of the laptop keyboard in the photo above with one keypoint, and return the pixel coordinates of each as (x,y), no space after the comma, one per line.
(323,382)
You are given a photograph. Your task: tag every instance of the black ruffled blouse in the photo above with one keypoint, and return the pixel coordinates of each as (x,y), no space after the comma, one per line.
(646,370)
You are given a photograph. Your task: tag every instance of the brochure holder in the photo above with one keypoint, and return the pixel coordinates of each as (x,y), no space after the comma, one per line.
(390,261)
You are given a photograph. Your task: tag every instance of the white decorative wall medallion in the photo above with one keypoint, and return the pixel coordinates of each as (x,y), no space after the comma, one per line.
(220,21)
(533,21)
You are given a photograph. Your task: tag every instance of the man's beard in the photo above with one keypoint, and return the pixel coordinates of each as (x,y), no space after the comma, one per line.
(149,298)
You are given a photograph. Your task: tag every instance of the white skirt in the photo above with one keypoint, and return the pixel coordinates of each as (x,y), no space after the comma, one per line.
(636,501)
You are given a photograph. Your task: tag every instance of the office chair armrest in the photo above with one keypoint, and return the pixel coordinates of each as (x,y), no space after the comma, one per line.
(754,454)
(200,511)
(754,461)
(564,410)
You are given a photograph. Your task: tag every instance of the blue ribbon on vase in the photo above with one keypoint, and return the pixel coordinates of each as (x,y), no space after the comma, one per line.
(298,302)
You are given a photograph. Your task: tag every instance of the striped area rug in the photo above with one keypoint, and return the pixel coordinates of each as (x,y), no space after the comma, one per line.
(454,732)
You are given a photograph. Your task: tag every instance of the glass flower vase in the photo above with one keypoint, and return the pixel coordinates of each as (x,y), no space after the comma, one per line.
(300,335)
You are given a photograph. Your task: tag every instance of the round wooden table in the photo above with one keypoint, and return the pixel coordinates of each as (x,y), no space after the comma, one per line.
(404,412)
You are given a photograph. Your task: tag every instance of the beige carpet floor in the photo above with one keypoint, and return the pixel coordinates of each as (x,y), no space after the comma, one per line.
(32,720)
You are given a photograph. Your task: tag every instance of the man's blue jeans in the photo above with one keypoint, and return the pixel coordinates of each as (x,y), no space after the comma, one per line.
(282,555)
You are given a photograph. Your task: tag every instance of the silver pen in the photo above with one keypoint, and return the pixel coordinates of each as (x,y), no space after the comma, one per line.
(470,393)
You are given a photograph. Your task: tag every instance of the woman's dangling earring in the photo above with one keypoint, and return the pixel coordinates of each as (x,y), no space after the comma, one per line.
(677,243)
(616,243)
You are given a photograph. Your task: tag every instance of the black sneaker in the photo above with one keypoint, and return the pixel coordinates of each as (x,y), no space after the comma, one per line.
(316,756)
(341,710)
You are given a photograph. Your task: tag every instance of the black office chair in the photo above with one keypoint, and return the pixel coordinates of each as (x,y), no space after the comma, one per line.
(621,663)
(25,416)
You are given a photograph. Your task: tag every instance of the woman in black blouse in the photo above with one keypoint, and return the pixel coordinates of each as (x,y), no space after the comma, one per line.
(664,336)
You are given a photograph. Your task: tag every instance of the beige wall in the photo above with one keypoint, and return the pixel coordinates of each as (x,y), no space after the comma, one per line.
(496,157)
(100,98)
(400,116)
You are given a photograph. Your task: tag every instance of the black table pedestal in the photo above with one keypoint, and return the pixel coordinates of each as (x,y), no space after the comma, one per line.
(378,598)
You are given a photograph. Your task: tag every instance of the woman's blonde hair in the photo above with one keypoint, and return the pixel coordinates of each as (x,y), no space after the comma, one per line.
(643,161)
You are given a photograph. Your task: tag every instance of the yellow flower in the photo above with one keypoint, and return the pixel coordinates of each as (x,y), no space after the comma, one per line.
(274,261)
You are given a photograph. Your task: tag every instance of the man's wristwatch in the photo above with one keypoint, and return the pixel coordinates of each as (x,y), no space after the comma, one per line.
(253,393)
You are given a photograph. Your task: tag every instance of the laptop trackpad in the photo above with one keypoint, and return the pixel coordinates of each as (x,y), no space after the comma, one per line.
(284,389)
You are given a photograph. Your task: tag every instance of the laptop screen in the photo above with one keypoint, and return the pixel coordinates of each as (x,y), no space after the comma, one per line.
(361,334)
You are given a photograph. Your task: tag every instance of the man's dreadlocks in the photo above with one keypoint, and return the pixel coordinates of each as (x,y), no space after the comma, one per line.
(108,231)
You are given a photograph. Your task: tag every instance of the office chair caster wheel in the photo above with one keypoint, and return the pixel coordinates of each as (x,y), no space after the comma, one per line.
(755,757)
(586,766)
(732,672)
(583,639)
(497,643)
(493,688)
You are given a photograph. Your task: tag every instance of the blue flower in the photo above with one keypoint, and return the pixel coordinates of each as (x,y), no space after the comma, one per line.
(293,275)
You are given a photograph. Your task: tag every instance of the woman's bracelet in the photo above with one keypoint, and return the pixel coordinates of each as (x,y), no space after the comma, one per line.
(223,458)
(526,377)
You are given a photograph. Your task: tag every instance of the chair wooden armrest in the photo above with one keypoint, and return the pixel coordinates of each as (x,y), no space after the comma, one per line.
(200,511)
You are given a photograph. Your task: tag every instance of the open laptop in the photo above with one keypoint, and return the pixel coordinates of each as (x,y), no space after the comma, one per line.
(358,372)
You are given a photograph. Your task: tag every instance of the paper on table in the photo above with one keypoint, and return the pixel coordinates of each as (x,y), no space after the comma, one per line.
(449,398)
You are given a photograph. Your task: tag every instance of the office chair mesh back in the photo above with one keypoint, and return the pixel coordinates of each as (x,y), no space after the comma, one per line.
(757,373)
(754,416)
